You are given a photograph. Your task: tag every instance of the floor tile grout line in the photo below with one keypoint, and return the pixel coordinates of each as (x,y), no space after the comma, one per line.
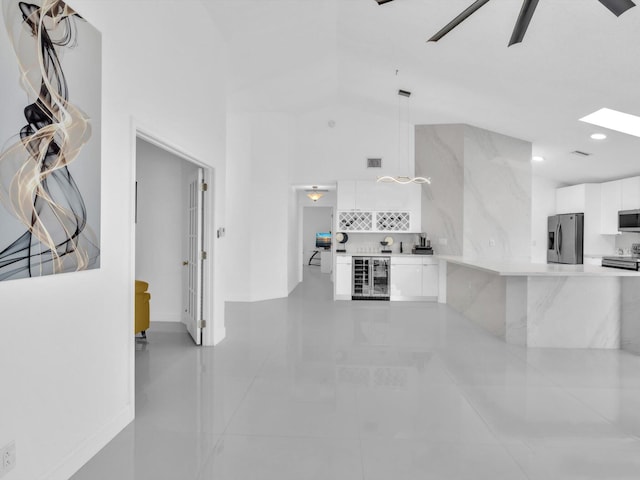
(494,433)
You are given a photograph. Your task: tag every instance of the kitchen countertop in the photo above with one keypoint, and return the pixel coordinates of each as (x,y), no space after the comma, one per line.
(378,254)
(523,269)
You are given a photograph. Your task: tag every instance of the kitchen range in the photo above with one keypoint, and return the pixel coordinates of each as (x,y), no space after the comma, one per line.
(628,262)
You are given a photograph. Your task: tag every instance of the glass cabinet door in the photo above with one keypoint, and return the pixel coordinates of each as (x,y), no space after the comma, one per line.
(380,275)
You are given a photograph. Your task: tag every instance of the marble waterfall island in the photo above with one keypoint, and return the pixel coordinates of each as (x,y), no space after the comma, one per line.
(540,305)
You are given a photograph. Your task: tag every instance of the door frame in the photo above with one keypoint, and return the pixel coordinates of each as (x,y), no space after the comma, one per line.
(208,224)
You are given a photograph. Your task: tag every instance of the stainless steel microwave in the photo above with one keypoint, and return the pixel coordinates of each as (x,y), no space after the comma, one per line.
(629,221)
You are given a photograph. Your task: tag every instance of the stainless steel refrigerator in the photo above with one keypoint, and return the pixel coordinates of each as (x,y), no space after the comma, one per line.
(565,238)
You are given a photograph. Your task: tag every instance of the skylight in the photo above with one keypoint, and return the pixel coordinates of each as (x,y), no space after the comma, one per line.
(614,120)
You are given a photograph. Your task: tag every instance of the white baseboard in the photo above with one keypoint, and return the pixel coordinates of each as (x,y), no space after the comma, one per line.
(92,445)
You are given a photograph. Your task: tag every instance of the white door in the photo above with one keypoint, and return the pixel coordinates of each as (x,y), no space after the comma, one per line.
(192,288)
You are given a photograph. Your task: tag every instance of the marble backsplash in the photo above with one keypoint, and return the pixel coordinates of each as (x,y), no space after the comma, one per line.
(479,202)
(440,155)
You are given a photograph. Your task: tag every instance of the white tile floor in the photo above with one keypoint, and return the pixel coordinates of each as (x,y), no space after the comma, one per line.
(305,388)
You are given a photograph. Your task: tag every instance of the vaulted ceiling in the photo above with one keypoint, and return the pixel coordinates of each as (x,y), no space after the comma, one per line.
(300,55)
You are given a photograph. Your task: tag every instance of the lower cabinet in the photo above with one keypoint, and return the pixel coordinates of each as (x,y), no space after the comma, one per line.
(406,279)
(430,280)
(342,281)
(414,278)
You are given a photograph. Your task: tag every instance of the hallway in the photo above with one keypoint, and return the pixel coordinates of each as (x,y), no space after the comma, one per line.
(308,388)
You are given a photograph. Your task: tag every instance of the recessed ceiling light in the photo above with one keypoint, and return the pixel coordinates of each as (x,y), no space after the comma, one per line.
(537,159)
(614,120)
(598,136)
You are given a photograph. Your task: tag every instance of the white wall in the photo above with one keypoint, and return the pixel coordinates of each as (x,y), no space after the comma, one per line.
(543,204)
(259,194)
(238,267)
(69,338)
(325,154)
(161,229)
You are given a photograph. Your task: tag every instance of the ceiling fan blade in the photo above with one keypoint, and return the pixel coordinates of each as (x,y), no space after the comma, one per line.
(458,20)
(382,2)
(618,7)
(528,8)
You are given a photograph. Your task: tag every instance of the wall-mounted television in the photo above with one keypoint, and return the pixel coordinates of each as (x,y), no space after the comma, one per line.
(323,240)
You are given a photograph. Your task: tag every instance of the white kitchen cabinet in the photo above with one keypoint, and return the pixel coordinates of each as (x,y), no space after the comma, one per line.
(343,277)
(430,280)
(571,199)
(346,193)
(611,203)
(367,194)
(630,193)
(384,198)
(406,279)
(368,206)
(414,278)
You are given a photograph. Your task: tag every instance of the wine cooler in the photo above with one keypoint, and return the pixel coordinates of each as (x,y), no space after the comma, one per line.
(371,278)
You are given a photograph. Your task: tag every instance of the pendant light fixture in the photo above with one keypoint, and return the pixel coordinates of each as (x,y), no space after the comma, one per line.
(314,194)
(403,179)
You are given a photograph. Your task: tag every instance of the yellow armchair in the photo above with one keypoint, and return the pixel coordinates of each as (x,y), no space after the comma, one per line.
(142,315)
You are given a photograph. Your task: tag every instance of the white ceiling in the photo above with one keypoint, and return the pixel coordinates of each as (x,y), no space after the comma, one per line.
(300,55)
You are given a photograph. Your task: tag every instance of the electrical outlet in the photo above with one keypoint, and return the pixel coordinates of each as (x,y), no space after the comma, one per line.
(492,242)
(8,458)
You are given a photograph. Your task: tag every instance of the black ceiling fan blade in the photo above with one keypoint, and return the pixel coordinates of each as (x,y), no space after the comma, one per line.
(382,2)
(458,20)
(526,13)
(618,7)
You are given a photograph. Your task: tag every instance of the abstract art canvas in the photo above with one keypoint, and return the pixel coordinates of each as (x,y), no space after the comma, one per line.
(50,145)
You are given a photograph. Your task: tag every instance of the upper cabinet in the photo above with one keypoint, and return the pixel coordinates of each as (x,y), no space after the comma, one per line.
(611,203)
(573,199)
(346,195)
(392,207)
(630,193)
(618,195)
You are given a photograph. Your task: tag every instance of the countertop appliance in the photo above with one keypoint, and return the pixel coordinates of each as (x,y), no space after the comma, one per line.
(425,246)
(371,278)
(628,262)
(629,221)
(565,238)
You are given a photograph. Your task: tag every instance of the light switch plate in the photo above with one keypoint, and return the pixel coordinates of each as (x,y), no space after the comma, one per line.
(7,458)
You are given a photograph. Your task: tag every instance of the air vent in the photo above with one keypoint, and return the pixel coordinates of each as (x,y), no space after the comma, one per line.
(580,153)
(374,163)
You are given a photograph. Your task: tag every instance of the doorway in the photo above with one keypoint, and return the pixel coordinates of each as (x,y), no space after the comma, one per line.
(316,220)
(170,236)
